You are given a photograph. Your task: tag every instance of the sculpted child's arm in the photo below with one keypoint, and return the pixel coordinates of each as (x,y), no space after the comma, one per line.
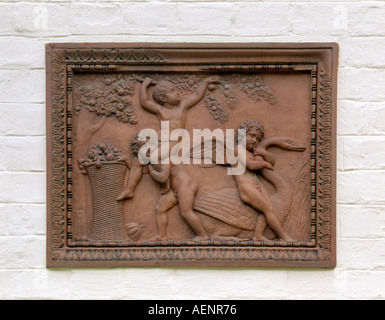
(160,176)
(145,101)
(266,155)
(251,162)
(257,163)
(198,94)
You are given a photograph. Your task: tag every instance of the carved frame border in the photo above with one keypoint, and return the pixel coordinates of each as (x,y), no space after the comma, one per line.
(321,59)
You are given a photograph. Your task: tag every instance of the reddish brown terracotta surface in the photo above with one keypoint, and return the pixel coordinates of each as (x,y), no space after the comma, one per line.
(108,208)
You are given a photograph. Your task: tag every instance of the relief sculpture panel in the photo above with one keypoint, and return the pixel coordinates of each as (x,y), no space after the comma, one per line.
(191,155)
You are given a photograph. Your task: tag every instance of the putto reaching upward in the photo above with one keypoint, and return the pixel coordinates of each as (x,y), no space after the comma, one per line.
(167,103)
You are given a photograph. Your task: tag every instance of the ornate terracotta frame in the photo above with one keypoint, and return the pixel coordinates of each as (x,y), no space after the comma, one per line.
(318,60)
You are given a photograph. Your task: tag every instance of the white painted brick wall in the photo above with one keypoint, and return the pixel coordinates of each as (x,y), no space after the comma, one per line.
(358,27)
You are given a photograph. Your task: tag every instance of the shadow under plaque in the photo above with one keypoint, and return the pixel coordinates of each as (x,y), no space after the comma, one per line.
(238,170)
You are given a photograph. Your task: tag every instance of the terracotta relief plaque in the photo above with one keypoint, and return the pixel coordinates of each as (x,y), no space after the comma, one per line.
(191,154)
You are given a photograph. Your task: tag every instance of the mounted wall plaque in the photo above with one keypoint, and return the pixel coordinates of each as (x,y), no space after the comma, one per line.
(191,154)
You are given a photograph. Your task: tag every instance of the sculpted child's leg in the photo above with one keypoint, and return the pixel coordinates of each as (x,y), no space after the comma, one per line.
(260,228)
(186,195)
(165,203)
(260,200)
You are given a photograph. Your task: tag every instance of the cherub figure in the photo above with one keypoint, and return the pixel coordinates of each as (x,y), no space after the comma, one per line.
(168,105)
(250,188)
(177,188)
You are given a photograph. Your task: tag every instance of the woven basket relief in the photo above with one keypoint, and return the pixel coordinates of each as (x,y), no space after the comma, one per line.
(106,175)
(106,183)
